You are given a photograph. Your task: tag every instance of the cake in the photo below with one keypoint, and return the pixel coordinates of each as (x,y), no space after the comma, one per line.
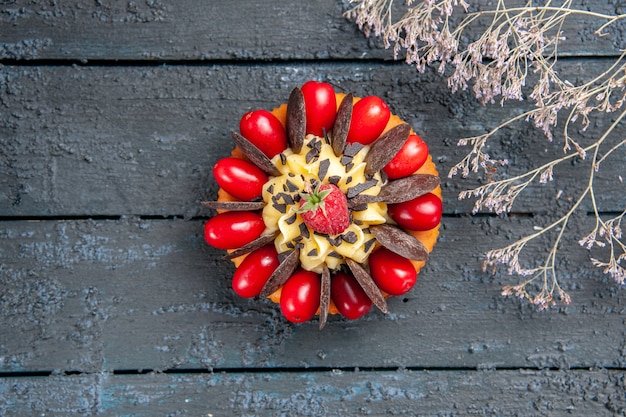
(328,204)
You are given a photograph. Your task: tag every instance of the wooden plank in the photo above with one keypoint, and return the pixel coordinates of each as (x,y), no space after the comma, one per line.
(237,29)
(429,393)
(96,296)
(142,140)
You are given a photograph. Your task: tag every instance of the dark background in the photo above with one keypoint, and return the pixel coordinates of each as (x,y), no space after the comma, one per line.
(112,114)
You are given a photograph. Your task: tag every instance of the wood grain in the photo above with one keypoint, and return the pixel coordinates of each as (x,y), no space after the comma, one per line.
(109,295)
(111,117)
(142,140)
(597,393)
(235,30)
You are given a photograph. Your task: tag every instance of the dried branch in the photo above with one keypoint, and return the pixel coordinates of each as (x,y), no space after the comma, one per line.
(516,45)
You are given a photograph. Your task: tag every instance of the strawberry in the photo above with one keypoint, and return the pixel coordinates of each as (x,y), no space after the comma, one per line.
(325,209)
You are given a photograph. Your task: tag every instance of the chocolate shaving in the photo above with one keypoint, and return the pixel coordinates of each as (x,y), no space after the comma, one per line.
(234,205)
(312,252)
(323,170)
(335,254)
(282,208)
(291,186)
(353,148)
(368,245)
(287,198)
(296,120)
(345,160)
(400,242)
(257,243)
(304,231)
(386,147)
(367,283)
(315,144)
(333,241)
(334,179)
(283,159)
(254,154)
(282,273)
(342,124)
(311,155)
(400,190)
(324,296)
(357,207)
(359,188)
(350,237)
(291,219)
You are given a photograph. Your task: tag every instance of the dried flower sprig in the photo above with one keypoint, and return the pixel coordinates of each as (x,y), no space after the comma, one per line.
(517,45)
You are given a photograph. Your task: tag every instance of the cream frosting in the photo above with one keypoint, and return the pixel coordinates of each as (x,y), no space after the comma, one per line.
(317,161)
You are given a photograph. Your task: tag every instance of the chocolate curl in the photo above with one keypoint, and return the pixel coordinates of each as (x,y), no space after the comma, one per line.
(257,243)
(341,126)
(400,242)
(324,296)
(234,205)
(282,273)
(296,120)
(401,190)
(255,155)
(385,148)
(369,286)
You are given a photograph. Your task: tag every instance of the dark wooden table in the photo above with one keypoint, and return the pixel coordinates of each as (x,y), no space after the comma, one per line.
(112,114)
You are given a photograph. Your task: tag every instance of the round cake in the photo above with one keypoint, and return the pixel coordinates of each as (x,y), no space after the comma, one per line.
(328,204)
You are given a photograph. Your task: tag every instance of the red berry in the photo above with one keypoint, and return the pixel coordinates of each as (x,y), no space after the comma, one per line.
(325,209)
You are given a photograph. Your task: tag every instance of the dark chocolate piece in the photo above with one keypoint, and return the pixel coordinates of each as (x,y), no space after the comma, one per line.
(342,125)
(287,198)
(386,147)
(333,241)
(234,205)
(291,186)
(311,155)
(304,231)
(359,188)
(367,283)
(368,245)
(356,207)
(296,120)
(324,165)
(400,242)
(334,179)
(282,208)
(291,219)
(352,149)
(324,296)
(282,273)
(312,252)
(257,243)
(350,237)
(400,190)
(256,156)
(345,160)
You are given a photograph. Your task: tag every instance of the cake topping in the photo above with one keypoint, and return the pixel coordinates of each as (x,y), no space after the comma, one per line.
(337,184)
(254,154)
(400,242)
(296,120)
(342,124)
(384,149)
